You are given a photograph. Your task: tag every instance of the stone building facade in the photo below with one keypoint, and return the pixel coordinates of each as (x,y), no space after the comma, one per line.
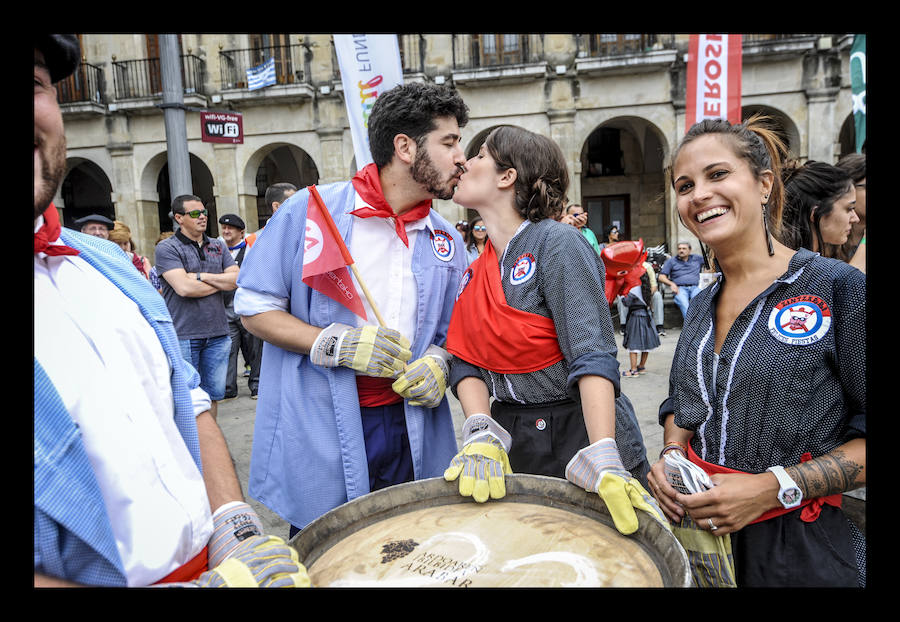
(614,103)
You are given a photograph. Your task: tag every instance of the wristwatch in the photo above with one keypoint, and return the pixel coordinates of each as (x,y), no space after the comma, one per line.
(789,494)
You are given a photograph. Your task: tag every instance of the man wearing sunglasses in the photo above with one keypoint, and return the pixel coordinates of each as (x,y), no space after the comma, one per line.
(195,271)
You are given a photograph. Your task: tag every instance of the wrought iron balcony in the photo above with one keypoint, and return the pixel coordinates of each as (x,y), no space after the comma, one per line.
(142,78)
(84,86)
(601,45)
(473,51)
(289,63)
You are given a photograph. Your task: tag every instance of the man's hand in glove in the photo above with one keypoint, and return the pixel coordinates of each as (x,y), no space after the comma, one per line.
(424,381)
(370,350)
(483,463)
(598,468)
(232,524)
(258,561)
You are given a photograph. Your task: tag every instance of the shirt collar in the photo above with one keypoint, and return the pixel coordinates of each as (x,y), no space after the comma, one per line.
(415,225)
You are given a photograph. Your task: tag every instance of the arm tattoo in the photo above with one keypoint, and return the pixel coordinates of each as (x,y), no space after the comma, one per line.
(826,475)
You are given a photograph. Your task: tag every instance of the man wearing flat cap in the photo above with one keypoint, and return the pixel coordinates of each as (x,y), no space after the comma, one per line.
(232,233)
(133,482)
(95,225)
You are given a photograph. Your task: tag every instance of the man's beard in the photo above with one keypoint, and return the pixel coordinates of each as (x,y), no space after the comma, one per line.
(425,173)
(52,171)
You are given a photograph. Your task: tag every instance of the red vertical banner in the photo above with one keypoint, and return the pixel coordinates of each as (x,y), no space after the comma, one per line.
(714,79)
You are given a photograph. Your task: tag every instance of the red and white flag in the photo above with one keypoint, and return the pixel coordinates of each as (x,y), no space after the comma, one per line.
(325,257)
(714,79)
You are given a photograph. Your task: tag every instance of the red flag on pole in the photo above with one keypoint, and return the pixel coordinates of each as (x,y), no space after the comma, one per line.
(325,257)
(713,79)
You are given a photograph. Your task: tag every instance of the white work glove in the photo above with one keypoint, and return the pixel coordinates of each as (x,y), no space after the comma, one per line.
(424,381)
(598,468)
(370,350)
(483,463)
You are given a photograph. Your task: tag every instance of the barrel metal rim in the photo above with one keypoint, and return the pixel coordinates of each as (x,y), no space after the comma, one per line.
(337,524)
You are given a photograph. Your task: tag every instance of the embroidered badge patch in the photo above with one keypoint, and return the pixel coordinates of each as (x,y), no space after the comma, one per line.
(800,321)
(523,269)
(442,244)
(540,424)
(466,277)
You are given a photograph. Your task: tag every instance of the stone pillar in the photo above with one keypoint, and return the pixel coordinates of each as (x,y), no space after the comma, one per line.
(226,185)
(562,131)
(821,105)
(332,161)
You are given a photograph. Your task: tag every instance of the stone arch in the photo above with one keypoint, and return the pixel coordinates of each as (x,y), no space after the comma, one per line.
(622,179)
(783,123)
(86,189)
(275,163)
(846,138)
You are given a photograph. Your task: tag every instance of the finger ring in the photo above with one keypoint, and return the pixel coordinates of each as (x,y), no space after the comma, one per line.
(712,525)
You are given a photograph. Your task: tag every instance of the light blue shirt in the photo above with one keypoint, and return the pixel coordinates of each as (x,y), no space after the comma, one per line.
(309,452)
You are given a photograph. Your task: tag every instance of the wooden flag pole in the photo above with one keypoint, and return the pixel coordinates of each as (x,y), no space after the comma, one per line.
(368,295)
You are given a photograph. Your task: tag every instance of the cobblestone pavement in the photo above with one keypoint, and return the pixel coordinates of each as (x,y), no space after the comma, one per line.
(646,393)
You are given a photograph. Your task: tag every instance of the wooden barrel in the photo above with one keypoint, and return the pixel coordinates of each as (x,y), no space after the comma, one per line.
(545,532)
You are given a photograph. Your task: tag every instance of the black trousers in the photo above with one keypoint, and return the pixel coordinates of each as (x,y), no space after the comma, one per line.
(546,436)
(787,552)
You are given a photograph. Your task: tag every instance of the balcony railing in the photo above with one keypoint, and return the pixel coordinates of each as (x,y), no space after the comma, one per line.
(234,64)
(83,86)
(493,50)
(142,78)
(599,45)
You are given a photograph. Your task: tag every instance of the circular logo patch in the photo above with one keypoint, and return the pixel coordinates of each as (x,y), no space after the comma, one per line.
(313,242)
(523,269)
(540,424)
(800,321)
(466,277)
(442,244)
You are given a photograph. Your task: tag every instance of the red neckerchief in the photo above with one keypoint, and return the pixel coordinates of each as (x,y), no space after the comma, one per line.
(505,340)
(49,232)
(368,185)
(811,507)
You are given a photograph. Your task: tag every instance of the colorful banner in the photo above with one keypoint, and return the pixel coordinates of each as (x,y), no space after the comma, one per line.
(713,79)
(326,257)
(858,86)
(370,64)
(262,75)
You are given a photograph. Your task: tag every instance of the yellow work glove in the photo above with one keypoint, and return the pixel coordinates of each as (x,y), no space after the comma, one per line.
(424,381)
(598,468)
(370,350)
(259,561)
(483,463)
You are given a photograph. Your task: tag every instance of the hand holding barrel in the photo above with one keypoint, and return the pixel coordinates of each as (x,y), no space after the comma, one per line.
(483,463)
(598,468)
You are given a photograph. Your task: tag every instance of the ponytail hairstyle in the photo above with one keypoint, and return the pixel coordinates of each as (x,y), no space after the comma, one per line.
(542,177)
(757,143)
(810,192)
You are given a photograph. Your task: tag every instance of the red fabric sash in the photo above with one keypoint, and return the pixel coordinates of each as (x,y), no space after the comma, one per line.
(49,232)
(189,571)
(376,391)
(811,507)
(368,185)
(487,332)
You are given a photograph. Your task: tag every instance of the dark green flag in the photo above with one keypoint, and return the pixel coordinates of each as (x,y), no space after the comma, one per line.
(858,86)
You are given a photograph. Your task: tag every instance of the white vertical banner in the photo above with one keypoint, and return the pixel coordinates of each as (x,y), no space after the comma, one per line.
(370,65)
(714,78)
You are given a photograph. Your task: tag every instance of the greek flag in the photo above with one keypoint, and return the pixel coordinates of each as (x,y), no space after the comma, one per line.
(261,76)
